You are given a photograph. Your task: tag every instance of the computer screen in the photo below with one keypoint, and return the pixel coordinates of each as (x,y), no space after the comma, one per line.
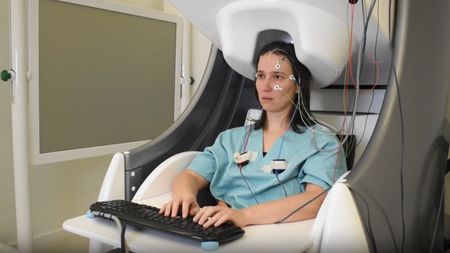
(104,77)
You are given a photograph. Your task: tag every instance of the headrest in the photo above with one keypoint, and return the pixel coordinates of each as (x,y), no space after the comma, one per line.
(320,37)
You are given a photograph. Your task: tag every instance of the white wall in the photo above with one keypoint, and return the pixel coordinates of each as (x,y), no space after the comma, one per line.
(60,190)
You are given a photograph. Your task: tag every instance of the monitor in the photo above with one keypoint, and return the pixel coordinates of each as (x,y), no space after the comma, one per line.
(104,77)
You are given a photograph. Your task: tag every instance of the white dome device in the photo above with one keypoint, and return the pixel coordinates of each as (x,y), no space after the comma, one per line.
(240,28)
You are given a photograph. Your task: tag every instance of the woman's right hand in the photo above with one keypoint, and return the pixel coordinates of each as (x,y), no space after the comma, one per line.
(184,191)
(188,203)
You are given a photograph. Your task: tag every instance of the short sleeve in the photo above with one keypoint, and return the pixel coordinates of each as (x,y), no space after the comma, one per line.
(204,164)
(325,166)
(207,162)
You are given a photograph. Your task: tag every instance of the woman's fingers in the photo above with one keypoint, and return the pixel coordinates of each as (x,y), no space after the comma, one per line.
(175,205)
(212,215)
(222,219)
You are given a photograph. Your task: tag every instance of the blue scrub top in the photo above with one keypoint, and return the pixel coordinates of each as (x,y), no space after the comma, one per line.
(314,156)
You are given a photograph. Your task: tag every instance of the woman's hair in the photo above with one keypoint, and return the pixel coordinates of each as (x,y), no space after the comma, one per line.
(302,77)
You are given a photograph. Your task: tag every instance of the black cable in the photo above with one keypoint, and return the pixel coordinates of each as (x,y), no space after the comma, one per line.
(281,184)
(303,205)
(402,136)
(248,186)
(122,237)
(366,21)
(369,225)
(436,224)
(402,193)
(389,21)
(373,88)
(402,132)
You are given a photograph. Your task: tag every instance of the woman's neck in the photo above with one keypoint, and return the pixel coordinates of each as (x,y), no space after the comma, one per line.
(277,123)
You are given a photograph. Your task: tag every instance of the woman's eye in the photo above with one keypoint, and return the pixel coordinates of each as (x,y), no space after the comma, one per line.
(259,76)
(278,77)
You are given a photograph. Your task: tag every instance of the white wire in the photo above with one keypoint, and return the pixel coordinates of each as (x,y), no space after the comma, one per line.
(331,130)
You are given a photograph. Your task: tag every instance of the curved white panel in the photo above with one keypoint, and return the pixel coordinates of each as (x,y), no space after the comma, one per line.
(320,31)
(114,182)
(161,178)
(323,47)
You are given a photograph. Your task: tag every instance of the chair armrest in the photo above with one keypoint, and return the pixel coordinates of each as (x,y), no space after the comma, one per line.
(161,178)
(338,226)
(113,186)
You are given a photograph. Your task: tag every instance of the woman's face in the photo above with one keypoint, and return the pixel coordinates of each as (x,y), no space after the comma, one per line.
(275,83)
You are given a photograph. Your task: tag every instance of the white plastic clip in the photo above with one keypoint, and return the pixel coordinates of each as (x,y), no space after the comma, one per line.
(277,87)
(241,159)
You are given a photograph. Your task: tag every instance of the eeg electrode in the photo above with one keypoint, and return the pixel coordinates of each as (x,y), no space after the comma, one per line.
(277,87)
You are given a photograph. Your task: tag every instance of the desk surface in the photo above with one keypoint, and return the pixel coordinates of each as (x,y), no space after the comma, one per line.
(287,237)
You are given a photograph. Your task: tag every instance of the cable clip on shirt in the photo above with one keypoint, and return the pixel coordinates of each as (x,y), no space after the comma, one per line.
(241,159)
(278,166)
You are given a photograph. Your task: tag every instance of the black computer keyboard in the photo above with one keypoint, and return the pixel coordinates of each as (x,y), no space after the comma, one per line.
(149,217)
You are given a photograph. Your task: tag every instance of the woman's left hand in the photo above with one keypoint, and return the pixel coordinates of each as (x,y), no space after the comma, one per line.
(217,215)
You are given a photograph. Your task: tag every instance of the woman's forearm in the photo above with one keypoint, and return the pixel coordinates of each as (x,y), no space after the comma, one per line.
(187,182)
(276,211)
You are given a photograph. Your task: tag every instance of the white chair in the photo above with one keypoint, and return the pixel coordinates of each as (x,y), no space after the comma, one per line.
(157,183)
(338,227)
(160,180)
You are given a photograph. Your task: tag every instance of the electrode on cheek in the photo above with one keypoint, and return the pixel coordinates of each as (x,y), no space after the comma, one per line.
(277,87)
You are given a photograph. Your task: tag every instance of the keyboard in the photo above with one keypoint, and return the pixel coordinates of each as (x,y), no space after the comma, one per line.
(146,216)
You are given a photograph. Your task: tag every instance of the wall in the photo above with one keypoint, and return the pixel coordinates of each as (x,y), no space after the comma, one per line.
(7,217)
(58,191)
(200,48)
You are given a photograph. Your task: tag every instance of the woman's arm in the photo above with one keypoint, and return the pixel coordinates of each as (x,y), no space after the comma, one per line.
(265,213)
(184,193)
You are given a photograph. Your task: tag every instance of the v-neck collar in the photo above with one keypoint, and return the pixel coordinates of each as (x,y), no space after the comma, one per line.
(272,153)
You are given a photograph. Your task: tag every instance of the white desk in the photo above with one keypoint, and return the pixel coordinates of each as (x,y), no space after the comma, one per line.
(283,238)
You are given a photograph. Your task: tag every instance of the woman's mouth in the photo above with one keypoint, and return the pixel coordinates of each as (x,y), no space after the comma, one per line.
(267,98)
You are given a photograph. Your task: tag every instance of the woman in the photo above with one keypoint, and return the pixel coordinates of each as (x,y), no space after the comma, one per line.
(262,173)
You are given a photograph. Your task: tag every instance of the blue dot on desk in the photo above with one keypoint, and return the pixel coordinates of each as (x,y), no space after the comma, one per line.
(89,214)
(210,245)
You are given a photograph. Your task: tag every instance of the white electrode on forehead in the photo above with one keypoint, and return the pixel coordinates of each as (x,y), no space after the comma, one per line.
(277,87)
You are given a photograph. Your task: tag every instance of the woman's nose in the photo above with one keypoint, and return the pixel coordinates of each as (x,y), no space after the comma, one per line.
(266,85)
